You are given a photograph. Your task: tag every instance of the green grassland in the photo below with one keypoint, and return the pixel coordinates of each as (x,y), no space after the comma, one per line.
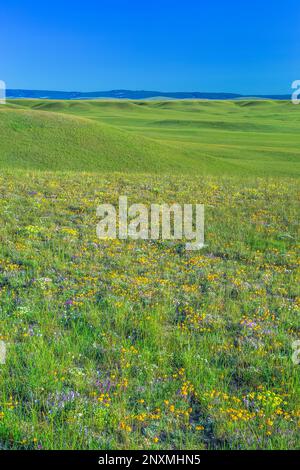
(141,344)
(220,137)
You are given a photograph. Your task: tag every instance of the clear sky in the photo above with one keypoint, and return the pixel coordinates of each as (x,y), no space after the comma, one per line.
(245,46)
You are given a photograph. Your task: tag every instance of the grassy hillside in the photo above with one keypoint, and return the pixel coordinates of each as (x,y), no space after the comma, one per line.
(50,141)
(192,137)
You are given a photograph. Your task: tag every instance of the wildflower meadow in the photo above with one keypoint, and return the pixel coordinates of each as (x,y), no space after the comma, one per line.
(141,344)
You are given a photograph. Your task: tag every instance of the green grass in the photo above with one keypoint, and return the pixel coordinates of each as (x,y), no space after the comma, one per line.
(143,345)
(190,137)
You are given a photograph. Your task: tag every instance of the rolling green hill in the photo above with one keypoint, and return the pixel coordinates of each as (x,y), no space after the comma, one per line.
(50,141)
(192,137)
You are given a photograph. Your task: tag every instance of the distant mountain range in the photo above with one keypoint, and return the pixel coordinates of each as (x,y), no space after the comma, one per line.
(133,95)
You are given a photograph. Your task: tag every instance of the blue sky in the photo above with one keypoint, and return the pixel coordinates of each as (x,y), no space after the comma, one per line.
(190,45)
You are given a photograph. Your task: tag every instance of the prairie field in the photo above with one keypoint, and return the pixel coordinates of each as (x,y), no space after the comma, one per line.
(115,344)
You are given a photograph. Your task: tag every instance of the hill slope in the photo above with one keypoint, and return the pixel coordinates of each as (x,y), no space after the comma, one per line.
(52,141)
(189,137)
